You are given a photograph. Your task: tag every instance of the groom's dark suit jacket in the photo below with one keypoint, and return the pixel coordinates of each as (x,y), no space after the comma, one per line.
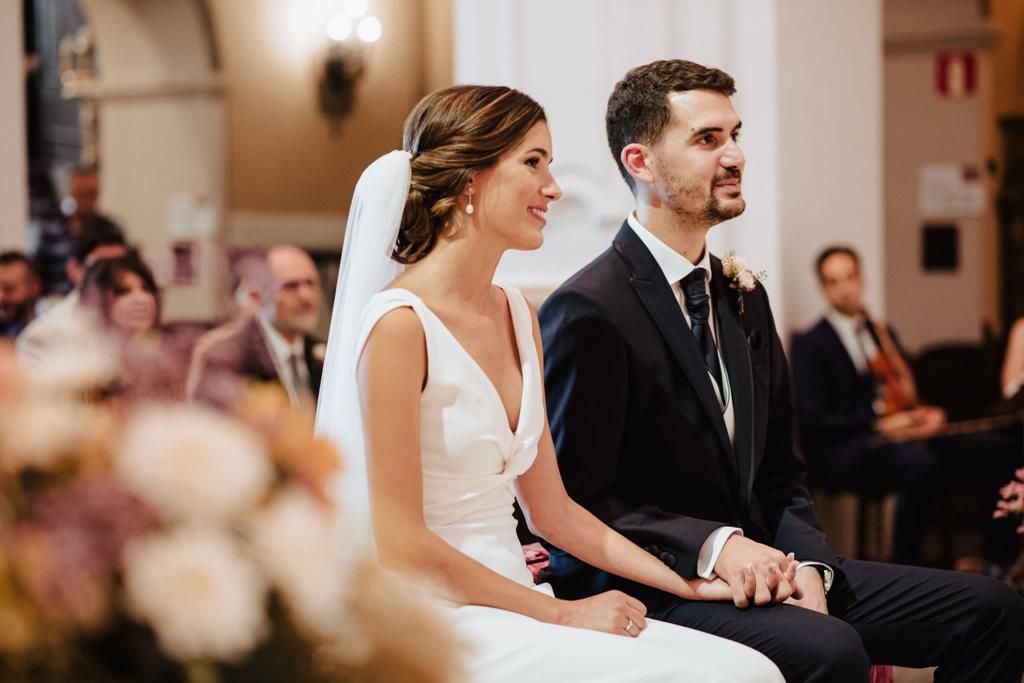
(639,432)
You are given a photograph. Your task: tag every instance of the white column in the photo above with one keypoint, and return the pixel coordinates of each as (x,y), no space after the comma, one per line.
(163,139)
(783,54)
(830,84)
(13,159)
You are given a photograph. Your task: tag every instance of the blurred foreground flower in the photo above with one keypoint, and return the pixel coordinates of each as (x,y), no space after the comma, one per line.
(298,541)
(204,599)
(78,357)
(192,464)
(167,542)
(41,432)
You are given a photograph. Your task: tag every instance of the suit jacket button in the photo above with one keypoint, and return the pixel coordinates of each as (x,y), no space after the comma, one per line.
(652,549)
(668,558)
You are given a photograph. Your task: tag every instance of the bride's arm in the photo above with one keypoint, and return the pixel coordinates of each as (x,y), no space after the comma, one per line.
(554,516)
(392,371)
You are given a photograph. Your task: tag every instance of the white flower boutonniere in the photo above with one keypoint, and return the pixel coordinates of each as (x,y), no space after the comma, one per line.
(743,278)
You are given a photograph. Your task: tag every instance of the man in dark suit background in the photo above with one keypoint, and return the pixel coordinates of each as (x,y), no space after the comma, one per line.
(851,439)
(273,343)
(858,435)
(669,403)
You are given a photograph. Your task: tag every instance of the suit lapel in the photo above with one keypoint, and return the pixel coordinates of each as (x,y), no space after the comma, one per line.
(840,349)
(733,341)
(654,292)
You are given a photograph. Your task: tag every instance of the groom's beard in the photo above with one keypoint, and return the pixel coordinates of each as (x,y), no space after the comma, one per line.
(692,202)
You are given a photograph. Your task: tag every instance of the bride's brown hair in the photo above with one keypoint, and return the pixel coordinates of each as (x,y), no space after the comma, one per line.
(452,134)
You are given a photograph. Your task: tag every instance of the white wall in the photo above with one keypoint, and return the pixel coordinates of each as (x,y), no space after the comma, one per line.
(13,159)
(162,133)
(808,73)
(830,145)
(924,128)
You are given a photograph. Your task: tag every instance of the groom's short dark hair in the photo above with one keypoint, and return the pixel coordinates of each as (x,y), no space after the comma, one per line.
(638,109)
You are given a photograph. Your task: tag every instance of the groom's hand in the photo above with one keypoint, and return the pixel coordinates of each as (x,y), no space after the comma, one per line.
(756,572)
(808,579)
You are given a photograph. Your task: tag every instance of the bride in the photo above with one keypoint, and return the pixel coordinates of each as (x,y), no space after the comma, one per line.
(434,389)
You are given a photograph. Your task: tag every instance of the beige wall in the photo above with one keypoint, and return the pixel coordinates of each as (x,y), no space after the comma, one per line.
(284,157)
(13,172)
(830,158)
(923,128)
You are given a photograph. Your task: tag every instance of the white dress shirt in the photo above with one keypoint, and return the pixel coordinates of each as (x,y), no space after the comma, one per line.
(281,353)
(856,339)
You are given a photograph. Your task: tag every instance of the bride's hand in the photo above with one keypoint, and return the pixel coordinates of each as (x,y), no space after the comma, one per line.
(717,589)
(612,612)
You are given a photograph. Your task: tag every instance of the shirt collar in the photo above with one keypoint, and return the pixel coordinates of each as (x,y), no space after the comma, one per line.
(841,321)
(673,265)
(279,346)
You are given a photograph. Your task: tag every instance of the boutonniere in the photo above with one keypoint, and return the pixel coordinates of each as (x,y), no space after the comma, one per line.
(743,278)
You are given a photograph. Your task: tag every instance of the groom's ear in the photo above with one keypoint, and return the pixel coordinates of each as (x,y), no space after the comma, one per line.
(636,159)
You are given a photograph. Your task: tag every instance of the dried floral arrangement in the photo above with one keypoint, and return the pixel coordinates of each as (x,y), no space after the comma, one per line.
(169,542)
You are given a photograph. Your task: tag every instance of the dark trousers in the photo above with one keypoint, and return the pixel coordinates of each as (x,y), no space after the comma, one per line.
(970,627)
(861,464)
(922,472)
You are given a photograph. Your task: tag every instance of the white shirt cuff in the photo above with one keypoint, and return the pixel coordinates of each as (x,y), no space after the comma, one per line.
(826,572)
(712,548)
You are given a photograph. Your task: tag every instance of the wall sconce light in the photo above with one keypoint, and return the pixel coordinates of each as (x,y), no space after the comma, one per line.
(349,32)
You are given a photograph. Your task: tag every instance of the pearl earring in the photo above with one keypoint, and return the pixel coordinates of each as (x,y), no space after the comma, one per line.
(469,205)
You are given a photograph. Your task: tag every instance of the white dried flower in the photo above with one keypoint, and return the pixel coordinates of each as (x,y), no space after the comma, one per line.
(39,432)
(746,280)
(74,356)
(202,597)
(298,544)
(192,464)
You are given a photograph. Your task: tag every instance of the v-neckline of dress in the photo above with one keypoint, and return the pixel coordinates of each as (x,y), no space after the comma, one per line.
(514,431)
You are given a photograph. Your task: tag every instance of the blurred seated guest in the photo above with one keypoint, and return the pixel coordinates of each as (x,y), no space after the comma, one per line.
(19,293)
(250,279)
(58,233)
(123,291)
(274,345)
(864,426)
(123,297)
(857,405)
(95,241)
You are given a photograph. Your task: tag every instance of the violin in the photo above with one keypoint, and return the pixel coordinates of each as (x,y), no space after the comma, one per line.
(898,392)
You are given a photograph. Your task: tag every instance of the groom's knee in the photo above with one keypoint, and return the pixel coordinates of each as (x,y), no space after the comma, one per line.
(835,654)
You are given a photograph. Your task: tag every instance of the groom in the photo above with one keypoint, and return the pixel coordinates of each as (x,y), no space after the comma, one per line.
(669,402)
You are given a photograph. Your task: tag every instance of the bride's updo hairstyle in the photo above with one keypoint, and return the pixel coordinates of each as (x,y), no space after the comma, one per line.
(451,134)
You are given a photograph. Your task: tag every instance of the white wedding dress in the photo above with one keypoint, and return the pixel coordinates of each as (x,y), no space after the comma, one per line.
(471,457)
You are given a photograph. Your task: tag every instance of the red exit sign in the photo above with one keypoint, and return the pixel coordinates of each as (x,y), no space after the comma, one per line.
(956,74)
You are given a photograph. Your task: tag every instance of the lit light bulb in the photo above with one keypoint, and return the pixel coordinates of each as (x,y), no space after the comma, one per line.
(339,28)
(354,8)
(369,29)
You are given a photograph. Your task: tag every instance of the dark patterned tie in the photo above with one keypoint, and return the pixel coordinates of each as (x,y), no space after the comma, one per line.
(698,305)
(300,384)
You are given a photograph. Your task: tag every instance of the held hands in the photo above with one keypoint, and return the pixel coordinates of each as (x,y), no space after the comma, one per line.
(922,422)
(756,572)
(612,612)
(808,580)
